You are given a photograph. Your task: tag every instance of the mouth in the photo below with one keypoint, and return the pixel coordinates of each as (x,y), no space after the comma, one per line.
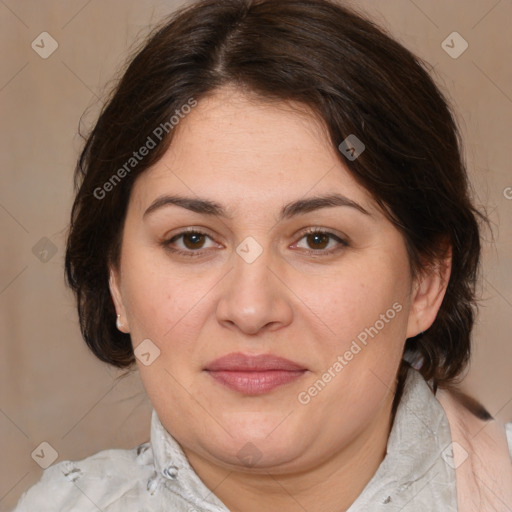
(254,375)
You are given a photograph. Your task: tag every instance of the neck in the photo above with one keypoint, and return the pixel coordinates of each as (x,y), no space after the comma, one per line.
(333,484)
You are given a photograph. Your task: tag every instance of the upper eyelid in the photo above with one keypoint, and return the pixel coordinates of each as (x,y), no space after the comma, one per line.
(185,231)
(305,231)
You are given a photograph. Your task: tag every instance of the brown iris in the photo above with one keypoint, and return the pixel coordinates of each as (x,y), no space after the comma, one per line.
(318,239)
(196,240)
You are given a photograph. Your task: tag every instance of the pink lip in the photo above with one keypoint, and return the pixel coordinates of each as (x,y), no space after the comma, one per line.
(254,375)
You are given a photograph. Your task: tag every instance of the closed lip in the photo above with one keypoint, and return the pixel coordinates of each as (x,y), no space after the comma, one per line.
(239,362)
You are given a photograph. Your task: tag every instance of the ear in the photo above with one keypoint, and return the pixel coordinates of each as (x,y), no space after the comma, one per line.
(115,292)
(428,292)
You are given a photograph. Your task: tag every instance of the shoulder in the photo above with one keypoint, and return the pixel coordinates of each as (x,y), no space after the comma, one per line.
(87,484)
(469,419)
(482,455)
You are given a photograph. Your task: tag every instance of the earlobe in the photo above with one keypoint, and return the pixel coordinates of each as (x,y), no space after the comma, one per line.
(115,292)
(428,293)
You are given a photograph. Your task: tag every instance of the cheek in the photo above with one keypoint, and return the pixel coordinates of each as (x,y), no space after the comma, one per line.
(355,298)
(160,299)
(366,315)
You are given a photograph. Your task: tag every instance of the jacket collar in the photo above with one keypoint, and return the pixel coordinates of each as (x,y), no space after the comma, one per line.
(417,472)
(173,467)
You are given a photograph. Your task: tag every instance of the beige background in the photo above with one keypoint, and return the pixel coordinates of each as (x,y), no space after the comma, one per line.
(52,389)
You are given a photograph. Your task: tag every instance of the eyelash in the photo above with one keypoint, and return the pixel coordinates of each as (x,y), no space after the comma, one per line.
(200,252)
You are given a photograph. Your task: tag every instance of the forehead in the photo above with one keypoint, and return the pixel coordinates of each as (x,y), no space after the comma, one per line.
(232,146)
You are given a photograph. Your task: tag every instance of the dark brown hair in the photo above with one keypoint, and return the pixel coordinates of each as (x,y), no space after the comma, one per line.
(355,78)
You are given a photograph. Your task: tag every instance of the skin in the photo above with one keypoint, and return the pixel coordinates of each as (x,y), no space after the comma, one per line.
(253,157)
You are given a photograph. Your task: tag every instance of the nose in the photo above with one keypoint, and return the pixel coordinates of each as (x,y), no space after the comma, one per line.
(254,297)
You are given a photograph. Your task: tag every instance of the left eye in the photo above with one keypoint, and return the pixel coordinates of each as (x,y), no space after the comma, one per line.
(321,241)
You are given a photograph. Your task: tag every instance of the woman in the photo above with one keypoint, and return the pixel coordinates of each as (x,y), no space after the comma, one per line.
(273,221)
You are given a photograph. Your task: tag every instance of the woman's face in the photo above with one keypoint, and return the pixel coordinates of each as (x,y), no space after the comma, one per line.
(339,304)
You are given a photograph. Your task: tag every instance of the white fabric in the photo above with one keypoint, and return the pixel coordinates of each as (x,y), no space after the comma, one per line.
(415,475)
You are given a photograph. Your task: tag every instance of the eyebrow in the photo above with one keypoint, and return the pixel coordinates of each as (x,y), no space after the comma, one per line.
(293,209)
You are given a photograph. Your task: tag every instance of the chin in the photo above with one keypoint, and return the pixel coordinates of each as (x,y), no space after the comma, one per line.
(255,447)
(258,457)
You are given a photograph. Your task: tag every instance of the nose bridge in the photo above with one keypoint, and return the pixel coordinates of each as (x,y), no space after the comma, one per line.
(254,297)
(251,272)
